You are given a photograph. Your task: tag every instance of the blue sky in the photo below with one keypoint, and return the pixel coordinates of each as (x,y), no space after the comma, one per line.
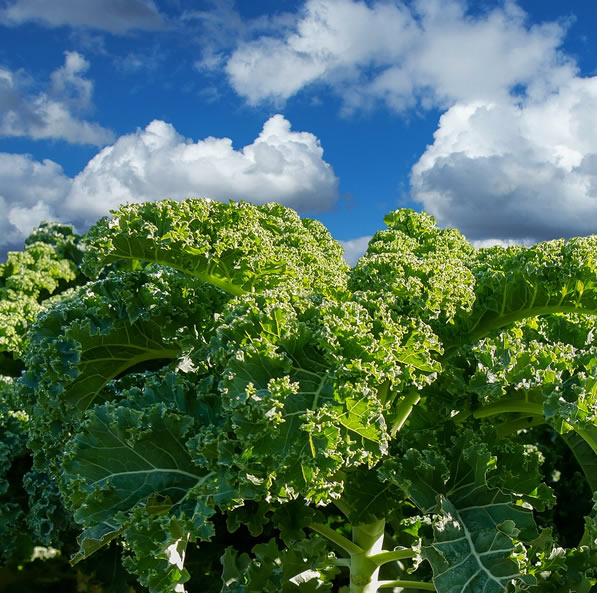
(481,113)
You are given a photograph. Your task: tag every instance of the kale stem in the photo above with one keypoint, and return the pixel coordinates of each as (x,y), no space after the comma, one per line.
(364,571)
(390,556)
(403,410)
(504,407)
(342,562)
(337,538)
(406,585)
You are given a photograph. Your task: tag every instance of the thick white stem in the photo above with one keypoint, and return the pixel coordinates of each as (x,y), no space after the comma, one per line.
(364,572)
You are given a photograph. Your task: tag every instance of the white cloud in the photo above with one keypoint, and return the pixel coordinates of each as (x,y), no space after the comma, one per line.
(52,113)
(428,51)
(355,248)
(115,16)
(515,156)
(26,219)
(523,171)
(502,242)
(158,163)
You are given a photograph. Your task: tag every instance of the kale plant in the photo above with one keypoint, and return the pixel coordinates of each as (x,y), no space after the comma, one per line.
(31,513)
(235,410)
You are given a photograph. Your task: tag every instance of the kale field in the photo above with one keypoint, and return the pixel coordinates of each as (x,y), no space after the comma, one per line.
(204,397)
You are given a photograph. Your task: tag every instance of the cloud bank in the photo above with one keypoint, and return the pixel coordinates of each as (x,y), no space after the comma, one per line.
(157,162)
(427,52)
(514,158)
(515,172)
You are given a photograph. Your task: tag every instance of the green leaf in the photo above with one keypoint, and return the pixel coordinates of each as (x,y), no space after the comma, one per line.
(237,247)
(234,566)
(304,568)
(367,497)
(15,541)
(292,518)
(94,539)
(417,268)
(471,550)
(27,281)
(475,526)
(126,461)
(518,282)
(158,546)
(523,377)
(584,454)
(251,514)
(123,323)
(558,569)
(301,379)
(103,357)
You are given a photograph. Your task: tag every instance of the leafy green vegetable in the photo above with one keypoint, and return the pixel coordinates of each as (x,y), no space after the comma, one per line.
(235,410)
(27,279)
(13,439)
(236,247)
(36,531)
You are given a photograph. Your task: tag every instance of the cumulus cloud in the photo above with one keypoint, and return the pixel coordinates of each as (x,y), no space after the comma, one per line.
(68,81)
(514,159)
(509,171)
(53,113)
(156,163)
(427,52)
(115,16)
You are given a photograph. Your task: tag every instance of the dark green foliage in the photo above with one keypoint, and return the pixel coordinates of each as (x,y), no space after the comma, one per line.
(229,408)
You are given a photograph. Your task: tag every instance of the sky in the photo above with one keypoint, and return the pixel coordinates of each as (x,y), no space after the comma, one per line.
(483,113)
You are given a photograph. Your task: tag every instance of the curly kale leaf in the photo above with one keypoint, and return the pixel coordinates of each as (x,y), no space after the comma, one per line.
(129,473)
(573,405)
(303,568)
(418,268)
(68,244)
(31,512)
(103,330)
(367,498)
(559,569)
(27,279)
(238,247)
(520,282)
(307,386)
(37,272)
(476,526)
(522,377)
(14,537)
